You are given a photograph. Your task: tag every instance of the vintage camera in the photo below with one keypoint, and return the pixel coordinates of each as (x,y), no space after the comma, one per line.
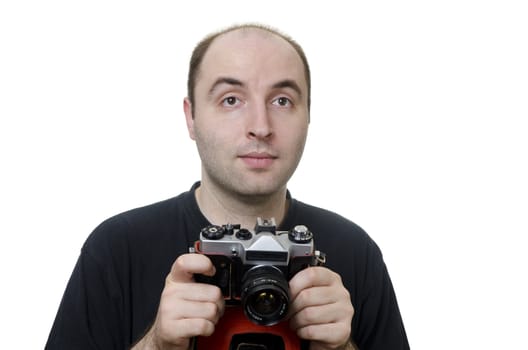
(253,267)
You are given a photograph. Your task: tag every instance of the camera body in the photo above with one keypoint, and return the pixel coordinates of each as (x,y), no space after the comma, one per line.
(253,267)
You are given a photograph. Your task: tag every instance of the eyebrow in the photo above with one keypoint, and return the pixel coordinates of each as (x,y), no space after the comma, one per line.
(287,83)
(225,80)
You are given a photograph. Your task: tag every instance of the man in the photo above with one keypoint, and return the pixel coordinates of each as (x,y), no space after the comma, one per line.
(248,110)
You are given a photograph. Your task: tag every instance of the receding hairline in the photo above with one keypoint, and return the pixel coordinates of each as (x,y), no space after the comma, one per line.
(202,48)
(249,27)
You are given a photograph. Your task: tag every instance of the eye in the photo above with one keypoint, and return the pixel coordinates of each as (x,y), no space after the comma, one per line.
(282,102)
(230,101)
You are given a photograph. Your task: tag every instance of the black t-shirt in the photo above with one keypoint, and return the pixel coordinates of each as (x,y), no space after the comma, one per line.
(113,294)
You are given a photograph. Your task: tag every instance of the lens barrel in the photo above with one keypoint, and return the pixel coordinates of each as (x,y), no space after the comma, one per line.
(264,295)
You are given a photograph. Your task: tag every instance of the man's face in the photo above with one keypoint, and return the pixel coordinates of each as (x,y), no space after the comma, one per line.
(251,115)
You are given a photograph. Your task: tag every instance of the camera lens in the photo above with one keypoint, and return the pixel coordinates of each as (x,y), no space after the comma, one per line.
(265,302)
(265,295)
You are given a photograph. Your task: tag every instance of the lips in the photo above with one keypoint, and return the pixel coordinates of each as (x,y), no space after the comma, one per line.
(258,160)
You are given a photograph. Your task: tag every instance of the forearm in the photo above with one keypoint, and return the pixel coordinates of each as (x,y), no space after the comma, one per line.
(146,343)
(149,342)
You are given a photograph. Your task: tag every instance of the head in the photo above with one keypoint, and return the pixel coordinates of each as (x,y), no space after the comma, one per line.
(248,109)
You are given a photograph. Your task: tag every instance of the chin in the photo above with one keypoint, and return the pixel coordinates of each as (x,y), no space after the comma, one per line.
(245,186)
(255,189)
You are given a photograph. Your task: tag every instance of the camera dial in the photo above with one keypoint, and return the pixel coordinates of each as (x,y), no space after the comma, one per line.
(213,232)
(243,234)
(300,234)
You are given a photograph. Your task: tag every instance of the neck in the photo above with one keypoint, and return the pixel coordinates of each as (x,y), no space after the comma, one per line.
(222,207)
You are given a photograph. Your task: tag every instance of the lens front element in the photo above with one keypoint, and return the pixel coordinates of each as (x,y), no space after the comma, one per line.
(265,295)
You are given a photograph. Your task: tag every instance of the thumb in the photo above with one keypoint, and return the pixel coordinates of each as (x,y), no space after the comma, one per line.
(187,265)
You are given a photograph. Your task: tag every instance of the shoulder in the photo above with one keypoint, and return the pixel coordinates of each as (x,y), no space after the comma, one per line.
(331,225)
(136,227)
(141,216)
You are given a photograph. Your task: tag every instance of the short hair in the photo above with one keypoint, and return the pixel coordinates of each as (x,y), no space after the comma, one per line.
(201,49)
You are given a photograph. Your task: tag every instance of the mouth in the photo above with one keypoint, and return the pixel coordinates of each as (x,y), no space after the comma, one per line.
(258,160)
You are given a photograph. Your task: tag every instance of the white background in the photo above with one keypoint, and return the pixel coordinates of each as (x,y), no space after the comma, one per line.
(418,134)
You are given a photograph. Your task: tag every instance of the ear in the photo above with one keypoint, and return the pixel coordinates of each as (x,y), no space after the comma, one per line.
(189,118)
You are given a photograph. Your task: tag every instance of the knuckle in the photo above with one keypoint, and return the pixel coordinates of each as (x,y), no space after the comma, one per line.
(308,333)
(216,293)
(310,315)
(180,262)
(312,273)
(211,311)
(204,327)
(305,296)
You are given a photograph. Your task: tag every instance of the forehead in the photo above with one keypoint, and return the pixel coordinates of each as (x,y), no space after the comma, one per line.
(251,54)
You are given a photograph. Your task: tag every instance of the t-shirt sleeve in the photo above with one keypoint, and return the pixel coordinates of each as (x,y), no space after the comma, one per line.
(90,315)
(379,325)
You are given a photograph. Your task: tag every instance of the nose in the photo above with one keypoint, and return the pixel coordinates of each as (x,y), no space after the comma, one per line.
(259,123)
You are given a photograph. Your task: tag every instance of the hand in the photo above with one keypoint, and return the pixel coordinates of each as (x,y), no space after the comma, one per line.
(321,309)
(187,309)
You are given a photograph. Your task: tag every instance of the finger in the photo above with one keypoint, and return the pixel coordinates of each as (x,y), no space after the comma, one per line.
(199,293)
(311,277)
(316,315)
(187,265)
(193,292)
(180,331)
(210,311)
(197,327)
(312,297)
